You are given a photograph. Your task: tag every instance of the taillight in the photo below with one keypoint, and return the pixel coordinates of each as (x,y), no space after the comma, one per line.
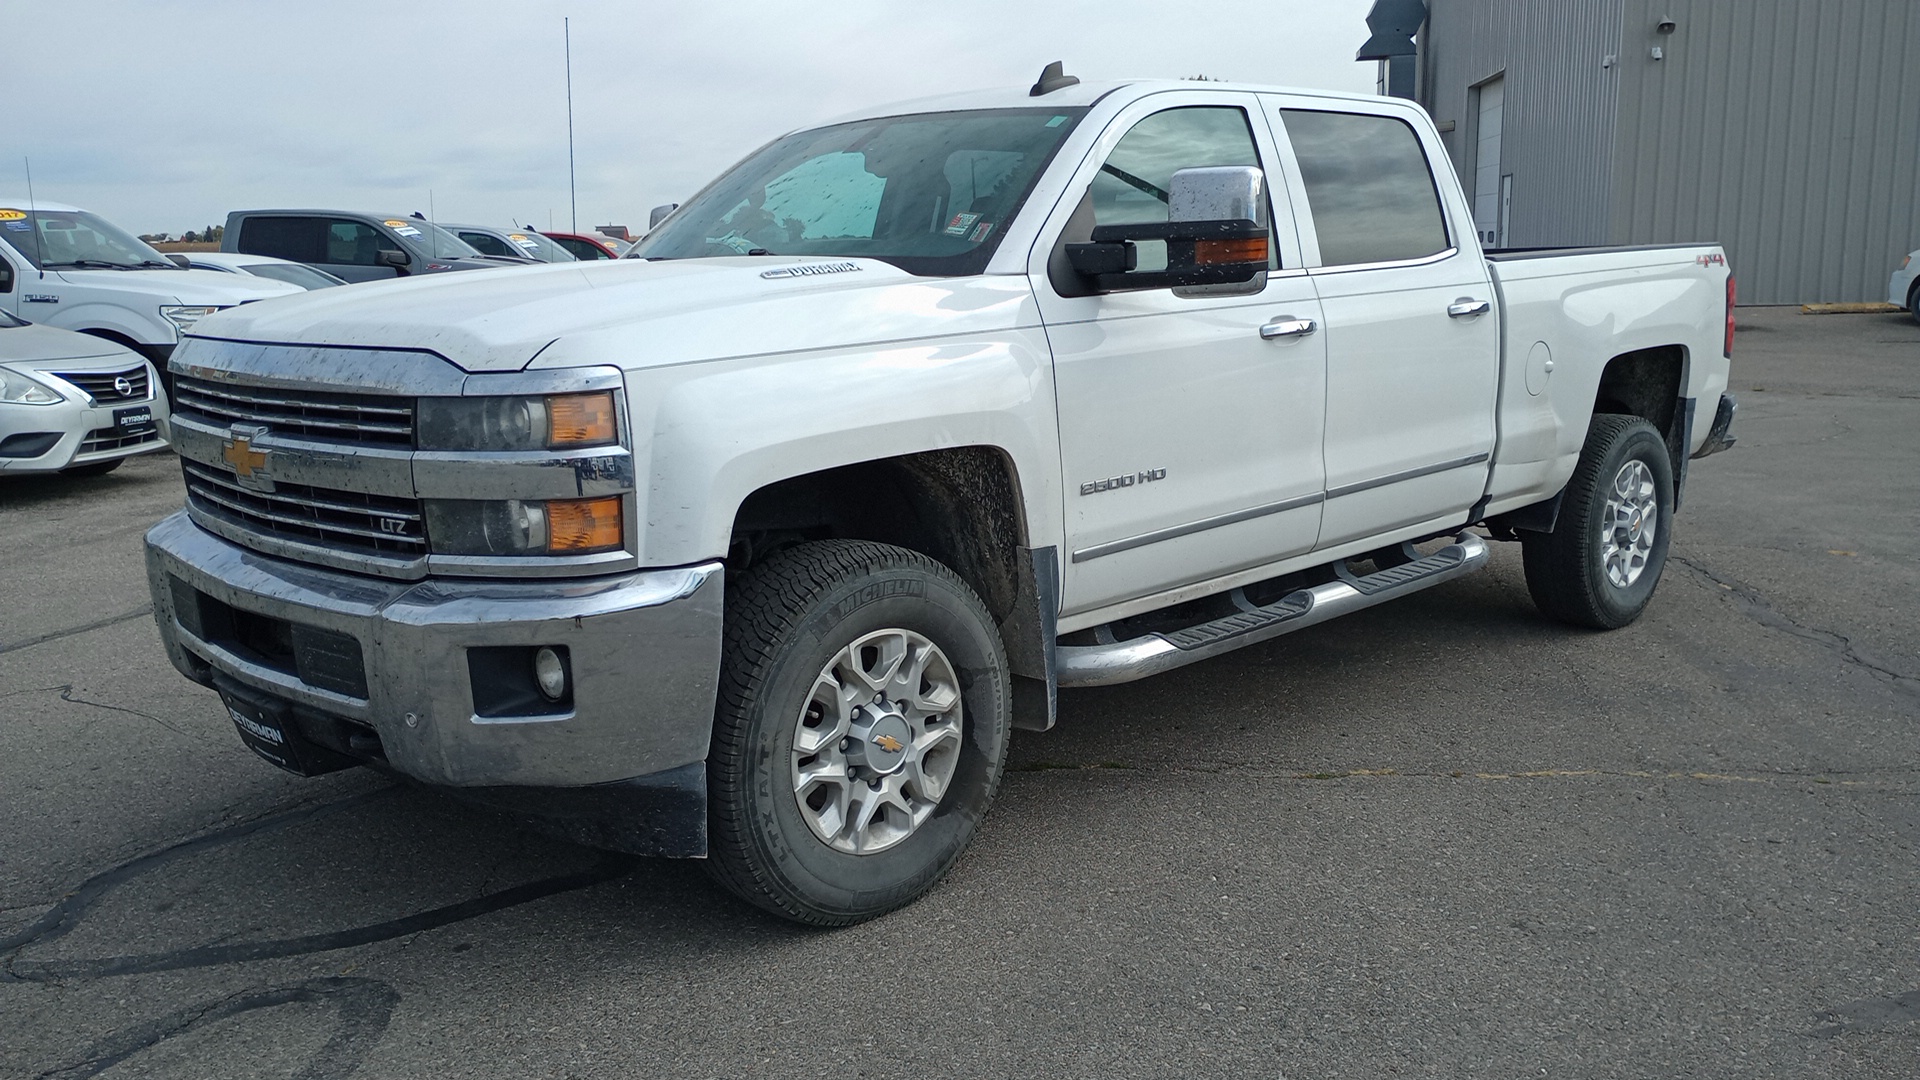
(1728,351)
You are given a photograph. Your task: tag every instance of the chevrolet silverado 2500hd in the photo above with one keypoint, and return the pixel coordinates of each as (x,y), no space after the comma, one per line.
(756,546)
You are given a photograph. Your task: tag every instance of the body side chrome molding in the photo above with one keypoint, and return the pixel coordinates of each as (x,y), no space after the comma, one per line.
(1125,661)
(1407,474)
(1115,546)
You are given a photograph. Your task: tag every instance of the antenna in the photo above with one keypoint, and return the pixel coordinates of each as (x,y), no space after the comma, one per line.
(433,229)
(33,220)
(573,196)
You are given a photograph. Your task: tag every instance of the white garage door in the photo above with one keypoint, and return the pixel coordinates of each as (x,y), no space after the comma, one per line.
(1486,164)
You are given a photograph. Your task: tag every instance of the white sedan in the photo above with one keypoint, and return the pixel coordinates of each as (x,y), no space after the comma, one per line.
(263,266)
(72,402)
(1904,288)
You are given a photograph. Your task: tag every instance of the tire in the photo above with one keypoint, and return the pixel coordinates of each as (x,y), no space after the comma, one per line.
(783,832)
(1569,571)
(98,468)
(1913,301)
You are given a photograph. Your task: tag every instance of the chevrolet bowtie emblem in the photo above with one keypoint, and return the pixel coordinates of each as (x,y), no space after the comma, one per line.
(245,460)
(888,743)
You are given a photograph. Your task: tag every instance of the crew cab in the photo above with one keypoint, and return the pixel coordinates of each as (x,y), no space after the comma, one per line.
(69,268)
(755,546)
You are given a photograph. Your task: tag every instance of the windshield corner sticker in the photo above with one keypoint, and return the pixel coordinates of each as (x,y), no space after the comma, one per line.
(19,226)
(404,228)
(981,232)
(810,270)
(13,215)
(960,223)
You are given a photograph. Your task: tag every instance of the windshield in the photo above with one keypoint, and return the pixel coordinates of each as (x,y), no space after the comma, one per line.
(930,193)
(539,247)
(56,239)
(294,274)
(430,239)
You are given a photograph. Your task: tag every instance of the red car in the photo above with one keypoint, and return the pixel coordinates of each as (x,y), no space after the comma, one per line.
(587,245)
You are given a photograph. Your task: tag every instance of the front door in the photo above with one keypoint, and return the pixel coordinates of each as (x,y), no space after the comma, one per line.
(1190,443)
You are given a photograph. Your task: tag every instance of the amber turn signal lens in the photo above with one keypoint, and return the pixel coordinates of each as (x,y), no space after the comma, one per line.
(579,526)
(581,420)
(1217,252)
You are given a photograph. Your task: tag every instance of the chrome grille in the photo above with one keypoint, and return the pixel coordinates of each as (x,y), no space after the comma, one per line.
(359,419)
(341,520)
(99,385)
(100,440)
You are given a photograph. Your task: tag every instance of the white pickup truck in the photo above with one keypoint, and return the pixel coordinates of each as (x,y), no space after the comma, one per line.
(756,544)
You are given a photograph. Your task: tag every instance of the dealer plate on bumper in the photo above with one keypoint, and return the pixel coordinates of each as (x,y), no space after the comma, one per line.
(133,416)
(268,730)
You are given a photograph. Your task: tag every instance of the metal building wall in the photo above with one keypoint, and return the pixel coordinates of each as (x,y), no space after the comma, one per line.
(1787,130)
(1558,138)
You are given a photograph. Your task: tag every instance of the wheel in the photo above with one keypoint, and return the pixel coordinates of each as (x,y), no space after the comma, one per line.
(862,723)
(98,468)
(1913,301)
(1600,564)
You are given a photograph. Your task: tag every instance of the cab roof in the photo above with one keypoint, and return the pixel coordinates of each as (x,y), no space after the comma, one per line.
(1079,95)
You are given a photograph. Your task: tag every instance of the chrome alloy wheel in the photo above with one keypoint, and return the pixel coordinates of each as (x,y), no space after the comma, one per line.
(877,741)
(1630,523)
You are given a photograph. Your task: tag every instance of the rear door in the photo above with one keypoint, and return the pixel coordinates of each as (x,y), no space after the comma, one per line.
(1190,444)
(1411,336)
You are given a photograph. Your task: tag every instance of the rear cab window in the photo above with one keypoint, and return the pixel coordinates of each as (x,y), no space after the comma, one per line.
(1370,189)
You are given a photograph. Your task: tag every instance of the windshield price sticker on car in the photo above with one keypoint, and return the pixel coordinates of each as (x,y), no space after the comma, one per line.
(402,227)
(522,241)
(13,215)
(960,223)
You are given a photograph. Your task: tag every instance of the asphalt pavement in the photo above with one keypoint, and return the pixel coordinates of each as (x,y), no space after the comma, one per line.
(1442,837)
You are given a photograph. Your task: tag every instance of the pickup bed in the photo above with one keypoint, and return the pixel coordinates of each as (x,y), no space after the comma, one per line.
(755,544)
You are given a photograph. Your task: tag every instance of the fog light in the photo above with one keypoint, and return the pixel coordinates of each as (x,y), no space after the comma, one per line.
(549,674)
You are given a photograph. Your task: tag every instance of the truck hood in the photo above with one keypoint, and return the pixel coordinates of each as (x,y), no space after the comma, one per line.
(632,313)
(211,288)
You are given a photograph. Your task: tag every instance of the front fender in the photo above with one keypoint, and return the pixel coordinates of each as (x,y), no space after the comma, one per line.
(722,430)
(96,316)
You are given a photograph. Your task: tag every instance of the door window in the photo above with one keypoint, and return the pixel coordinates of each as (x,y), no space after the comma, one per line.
(1368,185)
(355,243)
(1132,185)
(489,245)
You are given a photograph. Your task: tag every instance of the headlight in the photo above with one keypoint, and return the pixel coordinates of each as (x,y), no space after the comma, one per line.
(17,389)
(183,316)
(517,423)
(516,527)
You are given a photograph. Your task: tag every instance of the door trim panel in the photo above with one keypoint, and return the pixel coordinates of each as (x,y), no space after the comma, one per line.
(1112,547)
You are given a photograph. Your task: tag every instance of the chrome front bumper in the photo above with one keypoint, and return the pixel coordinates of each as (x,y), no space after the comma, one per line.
(644,653)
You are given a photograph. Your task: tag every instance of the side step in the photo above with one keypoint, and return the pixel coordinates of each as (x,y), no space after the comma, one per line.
(1125,661)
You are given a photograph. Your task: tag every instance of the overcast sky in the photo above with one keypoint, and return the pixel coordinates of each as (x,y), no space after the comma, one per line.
(163,117)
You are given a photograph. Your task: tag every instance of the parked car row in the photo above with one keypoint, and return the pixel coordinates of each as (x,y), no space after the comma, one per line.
(73,402)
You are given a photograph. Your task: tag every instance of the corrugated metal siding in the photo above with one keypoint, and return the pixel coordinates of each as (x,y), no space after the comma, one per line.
(1788,131)
(1558,117)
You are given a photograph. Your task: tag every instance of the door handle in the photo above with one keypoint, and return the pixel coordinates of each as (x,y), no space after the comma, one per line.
(1466,306)
(1287,326)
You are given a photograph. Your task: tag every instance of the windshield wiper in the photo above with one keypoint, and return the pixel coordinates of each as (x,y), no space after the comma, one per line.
(162,264)
(89,264)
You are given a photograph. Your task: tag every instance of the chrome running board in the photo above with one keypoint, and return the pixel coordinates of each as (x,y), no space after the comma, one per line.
(1125,661)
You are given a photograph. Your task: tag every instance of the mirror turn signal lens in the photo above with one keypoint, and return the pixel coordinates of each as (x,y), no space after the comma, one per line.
(580,526)
(581,420)
(1218,252)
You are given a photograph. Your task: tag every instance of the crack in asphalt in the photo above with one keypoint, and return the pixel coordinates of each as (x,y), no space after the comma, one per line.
(72,909)
(363,1008)
(111,620)
(66,695)
(1756,607)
